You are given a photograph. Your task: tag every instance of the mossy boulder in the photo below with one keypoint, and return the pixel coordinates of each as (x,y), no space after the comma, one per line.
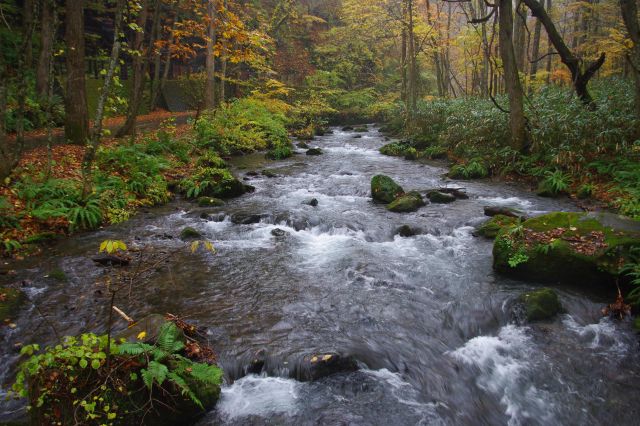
(314,151)
(490,228)
(210,202)
(10,301)
(189,233)
(561,247)
(541,304)
(384,189)
(409,202)
(361,129)
(441,197)
(395,149)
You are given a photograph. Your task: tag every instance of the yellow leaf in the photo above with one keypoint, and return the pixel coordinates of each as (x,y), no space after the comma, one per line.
(141,335)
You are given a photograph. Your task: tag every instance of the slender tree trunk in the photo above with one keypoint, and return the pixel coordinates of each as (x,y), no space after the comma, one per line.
(517,121)
(549,46)
(535,50)
(47,34)
(579,77)
(210,88)
(629,9)
(157,62)
(96,134)
(519,35)
(412,87)
(7,159)
(139,71)
(223,78)
(76,126)
(28,21)
(403,60)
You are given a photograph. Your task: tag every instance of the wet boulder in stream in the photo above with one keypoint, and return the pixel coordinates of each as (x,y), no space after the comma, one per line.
(539,305)
(314,151)
(586,249)
(313,202)
(384,189)
(409,202)
(189,233)
(440,197)
(317,366)
(210,202)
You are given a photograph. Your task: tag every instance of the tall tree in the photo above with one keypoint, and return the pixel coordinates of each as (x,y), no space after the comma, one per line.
(47,36)
(210,88)
(517,120)
(629,9)
(76,127)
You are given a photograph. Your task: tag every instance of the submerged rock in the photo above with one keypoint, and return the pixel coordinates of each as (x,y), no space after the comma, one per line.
(408,202)
(246,218)
(314,151)
(317,366)
(10,301)
(278,232)
(303,145)
(503,211)
(490,228)
(249,188)
(347,128)
(407,231)
(210,202)
(440,197)
(189,233)
(578,248)
(384,189)
(361,129)
(111,260)
(539,305)
(312,202)
(269,173)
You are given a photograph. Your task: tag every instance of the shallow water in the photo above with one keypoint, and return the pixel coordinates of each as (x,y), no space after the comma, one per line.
(426,317)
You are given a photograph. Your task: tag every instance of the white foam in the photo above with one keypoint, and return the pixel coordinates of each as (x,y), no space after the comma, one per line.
(259,396)
(509,202)
(504,361)
(603,336)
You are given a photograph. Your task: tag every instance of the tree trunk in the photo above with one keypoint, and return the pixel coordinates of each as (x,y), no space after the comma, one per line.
(28,23)
(90,151)
(535,50)
(223,78)
(47,34)
(157,62)
(139,71)
(629,10)
(76,127)
(549,46)
(580,78)
(517,121)
(519,35)
(210,88)
(412,89)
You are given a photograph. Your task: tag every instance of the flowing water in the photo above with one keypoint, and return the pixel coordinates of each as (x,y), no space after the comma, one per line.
(426,317)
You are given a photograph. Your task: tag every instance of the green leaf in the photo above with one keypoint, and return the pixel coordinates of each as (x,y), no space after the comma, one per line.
(83,363)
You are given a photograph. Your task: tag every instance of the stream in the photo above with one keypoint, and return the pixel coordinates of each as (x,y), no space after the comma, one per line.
(425,317)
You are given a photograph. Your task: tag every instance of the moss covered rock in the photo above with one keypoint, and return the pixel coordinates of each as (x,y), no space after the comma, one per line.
(189,233)
(490,228)
(395,149)
(314,151)
(440,197)
(10,301)
(540,304)
(210,202)
(579,248)
(408,202)
(384,189)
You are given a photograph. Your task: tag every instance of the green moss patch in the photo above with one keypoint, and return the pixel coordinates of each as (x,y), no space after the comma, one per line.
(540,304)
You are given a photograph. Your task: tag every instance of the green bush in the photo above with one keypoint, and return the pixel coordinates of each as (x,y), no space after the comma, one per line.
(245,125)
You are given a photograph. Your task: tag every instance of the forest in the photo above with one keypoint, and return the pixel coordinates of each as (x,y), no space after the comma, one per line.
(319,212)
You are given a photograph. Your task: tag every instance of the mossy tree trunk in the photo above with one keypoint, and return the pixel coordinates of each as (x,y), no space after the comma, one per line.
(76,127)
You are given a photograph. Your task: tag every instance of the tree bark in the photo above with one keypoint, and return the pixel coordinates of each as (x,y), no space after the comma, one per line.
(47,34)
(519,35)
(412,88)
(535,49)
(517,121)
(210,87)
(139,71)
(76,128)
(629,9)
(90,151)
(579,78)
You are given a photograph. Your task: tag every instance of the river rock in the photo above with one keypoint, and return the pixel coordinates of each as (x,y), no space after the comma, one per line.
(249,188)
(440,197)
(246,218)
(347,128)
(503,211)
(278,233)
(361,129)
(407,231)
(257,363)
(357,136)
(252,173)
(456,192)
(409,202)
(490,228)
(384,189)
(111,260)
(574,248)
(269,173)
(314,151)
(189,233)
(540,305)
(317,366)
(10,301)
(210,202)
(313,202)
